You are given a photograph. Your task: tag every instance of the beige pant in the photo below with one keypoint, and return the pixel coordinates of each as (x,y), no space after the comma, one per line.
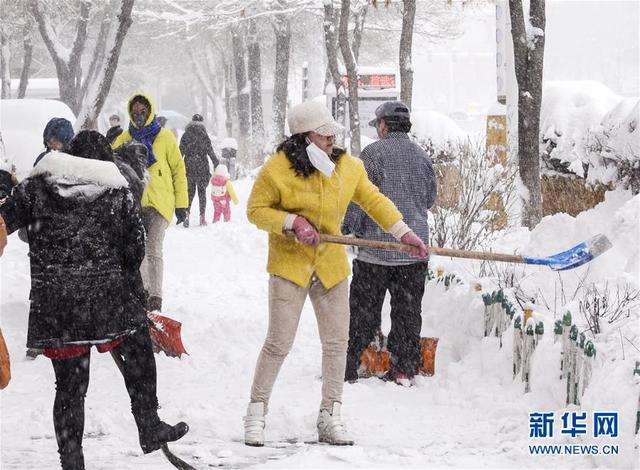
(152,265)
(331,306)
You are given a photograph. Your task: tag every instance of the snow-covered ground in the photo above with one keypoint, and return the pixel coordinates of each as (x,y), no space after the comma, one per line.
(471,414)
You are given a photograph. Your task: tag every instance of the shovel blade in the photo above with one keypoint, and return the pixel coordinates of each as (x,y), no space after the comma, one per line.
(165,334)
(576,256)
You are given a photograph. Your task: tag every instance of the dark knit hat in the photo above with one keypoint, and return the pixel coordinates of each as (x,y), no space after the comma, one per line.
(59,129)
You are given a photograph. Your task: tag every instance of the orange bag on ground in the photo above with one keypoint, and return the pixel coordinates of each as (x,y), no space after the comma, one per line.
(5,364)
(375,360)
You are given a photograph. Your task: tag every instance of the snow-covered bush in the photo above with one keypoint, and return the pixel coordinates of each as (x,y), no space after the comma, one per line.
(589,131)
(474,195)
(613,147)
(569,110)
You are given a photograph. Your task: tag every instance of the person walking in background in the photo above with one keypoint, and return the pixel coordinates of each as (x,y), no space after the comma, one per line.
(56,136)
(302,190)
(165,193)
(114,130)
(195,146)
(404,173)
(222,192)
(86,241)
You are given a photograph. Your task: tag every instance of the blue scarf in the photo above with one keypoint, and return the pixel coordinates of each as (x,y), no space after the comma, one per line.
(146,136)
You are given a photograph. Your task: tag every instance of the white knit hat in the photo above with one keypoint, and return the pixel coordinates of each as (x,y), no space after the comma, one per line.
(312,116)
(221,170)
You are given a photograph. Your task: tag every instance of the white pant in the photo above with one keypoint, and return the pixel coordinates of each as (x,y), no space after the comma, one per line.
(331,307)
(152,265)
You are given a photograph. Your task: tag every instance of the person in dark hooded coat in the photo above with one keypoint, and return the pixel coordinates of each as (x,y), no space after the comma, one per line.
(86,242)
(56,136)
(195,145)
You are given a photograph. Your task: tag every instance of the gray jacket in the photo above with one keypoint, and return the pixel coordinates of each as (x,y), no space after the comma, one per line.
(404,173)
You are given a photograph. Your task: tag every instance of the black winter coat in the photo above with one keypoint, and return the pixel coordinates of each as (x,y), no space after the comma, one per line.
(86,239)
(195,145)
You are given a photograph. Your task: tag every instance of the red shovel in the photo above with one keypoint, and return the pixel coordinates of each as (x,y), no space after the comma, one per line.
(165,334)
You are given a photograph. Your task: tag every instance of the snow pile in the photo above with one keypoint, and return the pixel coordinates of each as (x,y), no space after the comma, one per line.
(434,126)
(569,110)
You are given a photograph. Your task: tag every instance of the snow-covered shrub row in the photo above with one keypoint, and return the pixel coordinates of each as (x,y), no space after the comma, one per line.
(588,130)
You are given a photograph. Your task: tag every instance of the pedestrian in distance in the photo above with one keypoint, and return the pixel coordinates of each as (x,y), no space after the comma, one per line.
(404,173)
(195,146)
(86,239)
(165,193)
(114,128)
(301,191)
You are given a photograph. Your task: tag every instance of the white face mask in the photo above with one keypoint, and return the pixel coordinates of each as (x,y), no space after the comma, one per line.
(320,160)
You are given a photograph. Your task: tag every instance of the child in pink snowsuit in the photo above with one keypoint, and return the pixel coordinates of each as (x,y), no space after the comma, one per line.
(221,193)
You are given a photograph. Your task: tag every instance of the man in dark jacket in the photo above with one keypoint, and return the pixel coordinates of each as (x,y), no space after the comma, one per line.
(86,243)
(403,172)
(195,145)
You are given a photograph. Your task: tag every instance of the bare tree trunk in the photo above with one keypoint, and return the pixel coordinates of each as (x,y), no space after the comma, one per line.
(330,42)
(5,70)
(254,65)
(352,73)
(282,28)
(529,61)
(89,117)
(242,89)
(26,62)
(69,72)
(406,43)
(228,73)
(99,51)
(358,19)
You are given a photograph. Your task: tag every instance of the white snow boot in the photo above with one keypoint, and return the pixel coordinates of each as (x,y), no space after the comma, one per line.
(331,429)
(254,425)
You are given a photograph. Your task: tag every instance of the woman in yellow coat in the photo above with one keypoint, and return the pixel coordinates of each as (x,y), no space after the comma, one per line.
(302,190)
(164,194)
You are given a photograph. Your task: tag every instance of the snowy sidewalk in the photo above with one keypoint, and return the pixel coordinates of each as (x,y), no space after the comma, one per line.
(470,414)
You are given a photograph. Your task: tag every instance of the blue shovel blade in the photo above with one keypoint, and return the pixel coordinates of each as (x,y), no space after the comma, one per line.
(574,257)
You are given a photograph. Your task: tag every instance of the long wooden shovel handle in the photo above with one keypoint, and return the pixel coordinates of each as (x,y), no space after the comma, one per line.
(394,246)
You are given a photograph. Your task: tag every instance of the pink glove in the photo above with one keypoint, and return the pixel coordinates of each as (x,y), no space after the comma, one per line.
(420,250)
(305,232)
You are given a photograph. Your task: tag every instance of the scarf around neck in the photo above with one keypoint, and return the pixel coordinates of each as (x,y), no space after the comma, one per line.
(146,136)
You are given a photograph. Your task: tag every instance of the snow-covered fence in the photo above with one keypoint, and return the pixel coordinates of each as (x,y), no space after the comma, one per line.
(498,313)
(577,358)
(526,336)
(445,279)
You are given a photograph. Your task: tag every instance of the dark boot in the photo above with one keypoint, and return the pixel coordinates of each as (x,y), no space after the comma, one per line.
(154,304)
(152,438)
(72,461)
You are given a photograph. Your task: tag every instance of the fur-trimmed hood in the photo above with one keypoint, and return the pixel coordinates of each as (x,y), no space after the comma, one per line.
(77,177)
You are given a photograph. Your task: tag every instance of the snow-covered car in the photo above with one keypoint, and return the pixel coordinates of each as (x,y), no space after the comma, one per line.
(22,123)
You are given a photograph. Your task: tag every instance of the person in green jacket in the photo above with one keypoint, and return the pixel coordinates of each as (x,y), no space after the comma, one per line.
(165,193)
